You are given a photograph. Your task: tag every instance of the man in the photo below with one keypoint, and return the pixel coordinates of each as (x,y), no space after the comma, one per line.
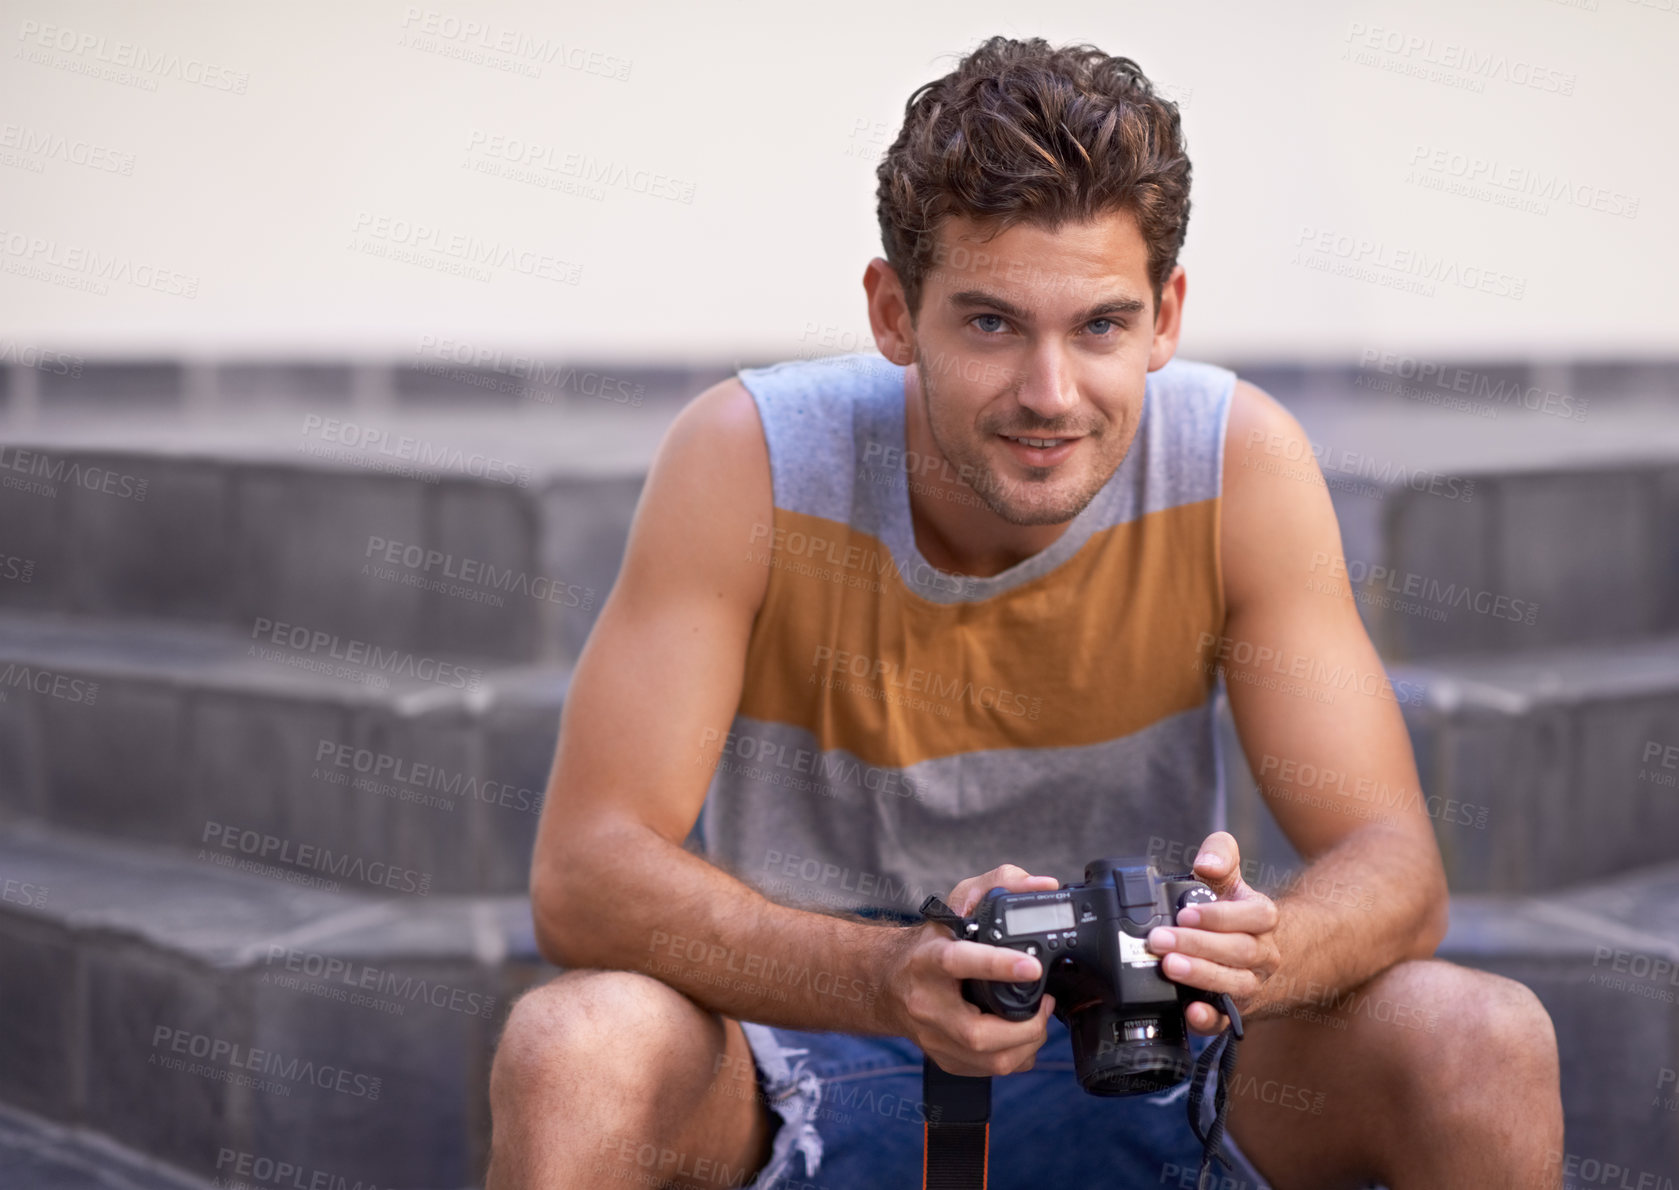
(954,619)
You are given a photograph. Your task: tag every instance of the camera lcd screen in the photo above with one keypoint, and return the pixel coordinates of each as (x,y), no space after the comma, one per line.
(1035,919)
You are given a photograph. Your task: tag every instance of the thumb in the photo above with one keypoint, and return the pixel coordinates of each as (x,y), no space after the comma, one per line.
(1219,864)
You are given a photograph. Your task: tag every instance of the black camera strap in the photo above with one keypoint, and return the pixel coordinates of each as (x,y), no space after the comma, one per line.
(957,1129)
(1223,1052)
(957,1107)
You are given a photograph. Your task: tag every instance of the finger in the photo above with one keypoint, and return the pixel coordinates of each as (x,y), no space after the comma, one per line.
(1218,865)
(984,1033)
(980,960)
(963,894)
(1204,1018)
(968,893)
(1020,884)
(1250,913)
(1208,976)
(1023,1056)
(959,1060)
(1015,1046)
(1230,950)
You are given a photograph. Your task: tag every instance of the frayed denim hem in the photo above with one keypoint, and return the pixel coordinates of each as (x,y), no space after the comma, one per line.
(795,1093)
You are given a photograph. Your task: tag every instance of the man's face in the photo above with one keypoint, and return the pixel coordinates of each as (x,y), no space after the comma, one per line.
(1033,348)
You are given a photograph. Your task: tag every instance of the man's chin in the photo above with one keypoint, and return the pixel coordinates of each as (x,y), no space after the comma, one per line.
(1052,508)
(1036,516)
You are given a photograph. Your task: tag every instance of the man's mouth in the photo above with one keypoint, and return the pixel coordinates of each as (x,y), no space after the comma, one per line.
(1039,452)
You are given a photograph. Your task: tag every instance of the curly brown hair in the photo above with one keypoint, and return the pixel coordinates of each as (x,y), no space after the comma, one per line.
(1022,131)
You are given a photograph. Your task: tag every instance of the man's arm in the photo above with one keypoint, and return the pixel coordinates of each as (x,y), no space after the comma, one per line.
(1324,736)
(645,720)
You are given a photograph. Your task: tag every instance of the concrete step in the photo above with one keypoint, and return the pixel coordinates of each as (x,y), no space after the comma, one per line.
(1539,770)
(36,1154)
(1537,560)
(1464,534)
(1604,960)
(495,533)
(1551,768)
(399,774)
(232,1025)
(441,371)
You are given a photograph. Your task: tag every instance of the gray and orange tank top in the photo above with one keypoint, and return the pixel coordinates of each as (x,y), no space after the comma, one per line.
(901,727)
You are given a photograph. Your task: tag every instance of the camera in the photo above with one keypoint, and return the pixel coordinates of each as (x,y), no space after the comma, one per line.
(1125,1018)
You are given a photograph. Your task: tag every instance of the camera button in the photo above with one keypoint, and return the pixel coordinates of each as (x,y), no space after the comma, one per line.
(995,932)
(1054,943)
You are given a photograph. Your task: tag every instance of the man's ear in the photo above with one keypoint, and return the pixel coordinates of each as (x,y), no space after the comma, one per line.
(894,331)
(1168,320)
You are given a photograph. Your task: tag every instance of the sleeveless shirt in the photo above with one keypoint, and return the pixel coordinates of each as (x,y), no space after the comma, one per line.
(901,728)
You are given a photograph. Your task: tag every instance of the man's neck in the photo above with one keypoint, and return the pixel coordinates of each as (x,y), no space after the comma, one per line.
(954,529)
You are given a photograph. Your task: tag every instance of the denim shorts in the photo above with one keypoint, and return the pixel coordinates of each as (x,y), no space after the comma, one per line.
(851,1119)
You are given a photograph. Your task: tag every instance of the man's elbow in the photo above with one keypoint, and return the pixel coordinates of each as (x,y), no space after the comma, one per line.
(553,917)
(1436,915)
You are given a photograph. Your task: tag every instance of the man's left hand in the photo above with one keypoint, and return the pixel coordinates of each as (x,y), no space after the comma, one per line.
(1229,946)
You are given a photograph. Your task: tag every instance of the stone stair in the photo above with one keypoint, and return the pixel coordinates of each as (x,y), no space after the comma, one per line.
(190,1011)
(41,1155)
(494,535)
(279,690)
(196,737)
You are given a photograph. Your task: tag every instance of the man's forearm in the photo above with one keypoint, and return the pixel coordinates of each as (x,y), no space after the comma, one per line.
(629,899)
(1364,905)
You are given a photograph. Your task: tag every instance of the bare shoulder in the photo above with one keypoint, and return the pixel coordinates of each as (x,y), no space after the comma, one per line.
(723,414)
(1265,447)
(1276,517)
(707,488)
(1259,426)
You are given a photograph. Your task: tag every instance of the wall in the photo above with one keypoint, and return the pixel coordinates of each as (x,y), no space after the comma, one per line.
(272,152)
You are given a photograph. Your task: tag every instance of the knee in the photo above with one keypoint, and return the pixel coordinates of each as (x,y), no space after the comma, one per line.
(591,1027)
(1514,1035)
(1482,1030)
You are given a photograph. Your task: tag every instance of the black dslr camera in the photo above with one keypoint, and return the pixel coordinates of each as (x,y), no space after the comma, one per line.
(1126,1019)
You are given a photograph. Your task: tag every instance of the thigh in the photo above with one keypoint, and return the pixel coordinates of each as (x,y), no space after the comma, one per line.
(1317,1094)
(727,1130)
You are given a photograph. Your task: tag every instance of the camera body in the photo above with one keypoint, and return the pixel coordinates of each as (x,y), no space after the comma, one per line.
(1125,1017)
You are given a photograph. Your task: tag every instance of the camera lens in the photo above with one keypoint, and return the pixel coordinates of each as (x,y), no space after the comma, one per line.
(1120,1052)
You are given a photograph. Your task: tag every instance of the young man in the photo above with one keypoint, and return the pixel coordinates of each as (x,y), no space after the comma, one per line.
(953,619)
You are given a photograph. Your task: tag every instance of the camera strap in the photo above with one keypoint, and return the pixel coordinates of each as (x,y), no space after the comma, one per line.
(956,1131)
(1223,1052)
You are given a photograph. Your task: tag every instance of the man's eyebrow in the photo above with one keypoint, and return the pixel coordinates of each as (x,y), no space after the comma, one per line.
(969,298)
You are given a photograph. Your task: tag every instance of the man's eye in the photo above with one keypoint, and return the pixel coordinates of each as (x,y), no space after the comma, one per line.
(1097,323)
(997,318)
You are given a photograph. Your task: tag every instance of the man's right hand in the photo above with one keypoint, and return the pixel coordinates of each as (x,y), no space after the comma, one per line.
(924,987)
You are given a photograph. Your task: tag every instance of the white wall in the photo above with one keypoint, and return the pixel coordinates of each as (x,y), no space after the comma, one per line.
(774,115)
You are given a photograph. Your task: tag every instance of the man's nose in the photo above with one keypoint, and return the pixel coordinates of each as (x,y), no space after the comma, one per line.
(1047,388)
